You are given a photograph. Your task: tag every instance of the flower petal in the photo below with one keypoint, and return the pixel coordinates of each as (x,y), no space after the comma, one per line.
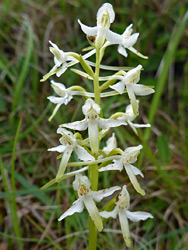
(132,98)
(59,149)
(93,211)
(117,165)
(129,109)
(111,144)
(91,31)
(142,90)
(81,180)
(130,154)
(58,87)
(137,171)
(101,36)
(122,51)
(129,115)
(78,125)
(128,30)
(63,163)
(62,69)
(125,227)
(135,125)
(133,179)
(54,45)
(113,38)
(110,123)
(77,207)
(133,75)
(119,87)
(99,195)
(90,104)
(93,135)
(83,154)
(59,55)
(60,100)
(137,216)
(130,41)
(133,150)
(106,9)
(108,214)
(65,132)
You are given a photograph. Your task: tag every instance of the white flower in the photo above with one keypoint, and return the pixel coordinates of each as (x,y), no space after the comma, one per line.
(87,197)
(65,96)
(60,89)
(129,116)
(62,60)
(121,209)
(129,81)
(125,41)
(111,144)
(68,145)
(129,156)
(92,121)
(105,16)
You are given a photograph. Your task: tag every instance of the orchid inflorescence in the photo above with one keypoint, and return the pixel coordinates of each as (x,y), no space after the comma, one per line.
(88,151)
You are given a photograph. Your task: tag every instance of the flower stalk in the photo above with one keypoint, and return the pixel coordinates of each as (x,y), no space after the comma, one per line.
(90,156)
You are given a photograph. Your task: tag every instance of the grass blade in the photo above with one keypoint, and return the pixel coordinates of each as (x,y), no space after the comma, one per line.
(25,68)
(15,220)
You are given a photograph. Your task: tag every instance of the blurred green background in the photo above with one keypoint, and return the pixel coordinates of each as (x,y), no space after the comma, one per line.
(28,216)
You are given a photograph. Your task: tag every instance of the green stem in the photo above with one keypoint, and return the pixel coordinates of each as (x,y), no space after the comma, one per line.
(96,78)
(93,169)
(92,235)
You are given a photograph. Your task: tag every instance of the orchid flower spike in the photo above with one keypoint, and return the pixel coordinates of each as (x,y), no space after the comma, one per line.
(92,121)
(87,197)
(121,209)
(129,81)
(68,145)
(105,16)
(129,156)
(125,41)
(129,116)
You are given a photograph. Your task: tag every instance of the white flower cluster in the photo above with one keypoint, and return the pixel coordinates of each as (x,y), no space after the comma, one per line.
(88,150)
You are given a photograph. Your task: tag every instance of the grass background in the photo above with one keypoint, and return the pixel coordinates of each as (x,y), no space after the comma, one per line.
(28,216)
